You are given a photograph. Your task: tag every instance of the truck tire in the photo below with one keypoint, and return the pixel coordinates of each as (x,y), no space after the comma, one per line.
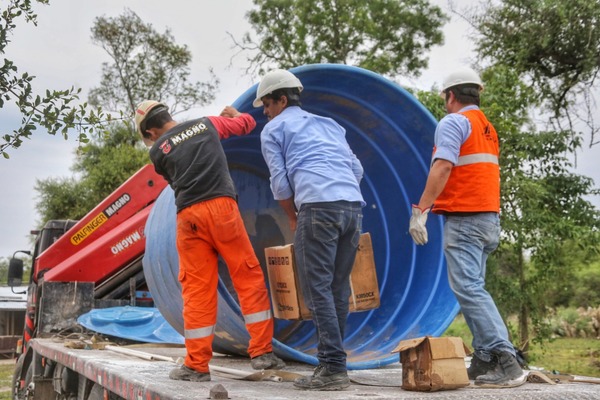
(18,391)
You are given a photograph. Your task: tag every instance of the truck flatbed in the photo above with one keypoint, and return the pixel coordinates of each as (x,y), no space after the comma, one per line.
(135,378)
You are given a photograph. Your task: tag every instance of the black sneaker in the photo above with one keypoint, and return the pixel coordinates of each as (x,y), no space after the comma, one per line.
(322,379)
(187,374)
(267,361)
(507,373)
(479,367)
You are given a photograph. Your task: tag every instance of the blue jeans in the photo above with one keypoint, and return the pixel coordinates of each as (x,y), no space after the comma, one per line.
(468,240)
(325,246)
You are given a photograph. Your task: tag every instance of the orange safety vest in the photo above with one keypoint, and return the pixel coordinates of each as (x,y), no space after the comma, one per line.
(474,183)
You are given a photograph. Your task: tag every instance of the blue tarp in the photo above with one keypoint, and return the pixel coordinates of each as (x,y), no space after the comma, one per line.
(142,324)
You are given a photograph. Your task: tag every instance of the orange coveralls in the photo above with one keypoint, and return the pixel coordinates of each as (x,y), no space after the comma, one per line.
(205,230)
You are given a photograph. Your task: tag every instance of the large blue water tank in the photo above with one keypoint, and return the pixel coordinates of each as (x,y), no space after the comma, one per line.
(392,135)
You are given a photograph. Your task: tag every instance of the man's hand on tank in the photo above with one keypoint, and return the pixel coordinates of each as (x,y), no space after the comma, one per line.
(230,112)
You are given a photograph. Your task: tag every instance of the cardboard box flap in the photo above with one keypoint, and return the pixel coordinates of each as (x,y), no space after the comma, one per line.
(448,347)
(409,344)
(283,247)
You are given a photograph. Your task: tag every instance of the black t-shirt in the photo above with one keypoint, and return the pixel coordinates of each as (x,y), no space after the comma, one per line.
(190,157)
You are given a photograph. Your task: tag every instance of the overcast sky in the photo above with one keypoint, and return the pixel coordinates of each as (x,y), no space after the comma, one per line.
(59,52)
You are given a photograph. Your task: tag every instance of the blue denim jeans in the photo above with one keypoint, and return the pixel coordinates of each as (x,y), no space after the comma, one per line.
(325,246)
(468,240)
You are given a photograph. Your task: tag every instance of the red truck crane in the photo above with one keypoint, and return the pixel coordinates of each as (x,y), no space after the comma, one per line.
(95,262)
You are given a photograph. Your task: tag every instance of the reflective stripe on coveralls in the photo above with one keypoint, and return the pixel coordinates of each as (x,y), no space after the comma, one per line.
(258,317)
(199,333)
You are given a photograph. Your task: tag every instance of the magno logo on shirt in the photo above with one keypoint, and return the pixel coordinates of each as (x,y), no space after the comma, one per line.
(165,147)
(189,133)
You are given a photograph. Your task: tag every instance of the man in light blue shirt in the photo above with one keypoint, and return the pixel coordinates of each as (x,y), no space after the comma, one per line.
(315,177)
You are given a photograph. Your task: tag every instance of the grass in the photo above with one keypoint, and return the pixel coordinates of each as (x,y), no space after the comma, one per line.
(6,372)
(575,356)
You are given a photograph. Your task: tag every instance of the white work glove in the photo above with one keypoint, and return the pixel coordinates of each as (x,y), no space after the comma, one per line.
(417,228)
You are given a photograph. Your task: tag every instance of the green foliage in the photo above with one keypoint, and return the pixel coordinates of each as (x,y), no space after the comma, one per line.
(586,286)
(555,43)
(61,198)
(56,111)
(433,102)
(386,36)
(579,284)
(3,270)
(542,39)
(146,65)
(581,322)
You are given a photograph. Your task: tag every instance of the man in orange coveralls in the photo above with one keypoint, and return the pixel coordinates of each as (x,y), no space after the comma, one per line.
(190,157)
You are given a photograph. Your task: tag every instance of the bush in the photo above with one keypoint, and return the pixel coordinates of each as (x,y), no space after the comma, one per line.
(587,287)
(575,323)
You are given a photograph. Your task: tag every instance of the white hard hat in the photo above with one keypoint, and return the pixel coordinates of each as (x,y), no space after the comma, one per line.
(142,113)
(273,80)
(462,76)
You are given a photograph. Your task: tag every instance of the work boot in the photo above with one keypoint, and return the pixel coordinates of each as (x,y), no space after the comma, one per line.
(479,367)
(323,379)
(507,373)
(267,361)
(187,374)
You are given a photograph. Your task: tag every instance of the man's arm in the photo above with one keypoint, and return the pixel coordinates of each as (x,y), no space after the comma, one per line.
(272,153)
(357,168)
(436,181)
(290,210)
(233,122)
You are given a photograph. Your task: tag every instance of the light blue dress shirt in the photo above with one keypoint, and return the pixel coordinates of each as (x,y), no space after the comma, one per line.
(309,158)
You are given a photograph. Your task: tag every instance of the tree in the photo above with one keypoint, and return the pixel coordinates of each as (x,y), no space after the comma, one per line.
(60,198)
(145,65)
(543,206)
(556,44)
(390,37)
(3,270)
(56,110)
(579,285)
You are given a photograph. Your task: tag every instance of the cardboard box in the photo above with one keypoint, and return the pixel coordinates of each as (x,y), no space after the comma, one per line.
(286,295)
(288,301)
(430,364)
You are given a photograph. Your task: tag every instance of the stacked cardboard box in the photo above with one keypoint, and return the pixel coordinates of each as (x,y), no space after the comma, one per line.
(288,301)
